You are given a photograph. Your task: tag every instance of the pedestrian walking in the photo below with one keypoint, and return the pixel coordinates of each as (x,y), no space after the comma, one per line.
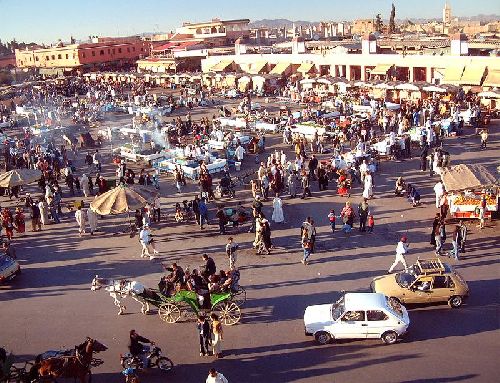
(53,209)
(456,241)
(196,209)
(463,236)
(36,224)
(44,213)
(484,138)
(19,220)
(146,241)
(178,179)
(84,182)
(363,214)
(231,250)
(92,218)
(215,376)
(221,215)
(306,246)
(312,237)
(205,335)
(305,181)
(482,210)
(218,336)
(368,186)
(401,250)
(371,223)
(278,216)
(156,209)
(80,220)
(332,219)
(438,191)
(203,213)
(292,184)
(440,236)
(423,157)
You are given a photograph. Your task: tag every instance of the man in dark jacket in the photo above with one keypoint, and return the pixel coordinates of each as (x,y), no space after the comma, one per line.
(136,346)
(423,156)
(209,268)
(196,209)
(313,165)
(203,327)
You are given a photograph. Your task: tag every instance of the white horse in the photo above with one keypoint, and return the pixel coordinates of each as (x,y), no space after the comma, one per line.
(121,288)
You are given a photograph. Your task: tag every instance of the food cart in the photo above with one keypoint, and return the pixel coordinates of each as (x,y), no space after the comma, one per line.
(465,185)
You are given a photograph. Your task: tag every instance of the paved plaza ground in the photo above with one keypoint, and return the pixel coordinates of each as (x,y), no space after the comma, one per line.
(50,304)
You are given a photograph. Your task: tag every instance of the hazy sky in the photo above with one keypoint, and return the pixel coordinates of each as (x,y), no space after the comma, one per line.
(48,20)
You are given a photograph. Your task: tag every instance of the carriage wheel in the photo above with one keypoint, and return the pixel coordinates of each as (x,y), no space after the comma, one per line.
(229,313)
(169,312)
(187,312)
(239,297)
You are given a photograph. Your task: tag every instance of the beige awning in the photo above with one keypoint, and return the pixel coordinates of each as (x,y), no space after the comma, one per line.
(453,74)
(280,68)
(257,67)
(463,177)
(221,66)
(473,75)
(19,177)
(381,69)
(492,78)
(122,199)
(305,68)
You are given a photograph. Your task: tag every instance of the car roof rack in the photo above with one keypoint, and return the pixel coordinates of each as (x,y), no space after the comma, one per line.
(431,266)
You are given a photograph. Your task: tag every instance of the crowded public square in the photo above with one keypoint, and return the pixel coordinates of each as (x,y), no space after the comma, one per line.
(210,226)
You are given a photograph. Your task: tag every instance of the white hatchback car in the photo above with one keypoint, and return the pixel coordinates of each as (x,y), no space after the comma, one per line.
(357,316)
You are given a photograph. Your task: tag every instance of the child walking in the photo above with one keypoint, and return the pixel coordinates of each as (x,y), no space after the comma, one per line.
(371,223)
(331,219)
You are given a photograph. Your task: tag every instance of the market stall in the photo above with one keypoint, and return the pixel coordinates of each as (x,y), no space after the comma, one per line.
(466,186)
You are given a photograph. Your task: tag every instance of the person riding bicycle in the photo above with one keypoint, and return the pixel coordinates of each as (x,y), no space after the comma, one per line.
(137,347)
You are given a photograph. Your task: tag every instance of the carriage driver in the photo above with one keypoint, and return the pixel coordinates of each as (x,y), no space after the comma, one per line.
(137,347)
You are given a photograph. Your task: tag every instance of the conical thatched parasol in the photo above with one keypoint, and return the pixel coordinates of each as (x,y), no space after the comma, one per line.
(19,177)
(123,199)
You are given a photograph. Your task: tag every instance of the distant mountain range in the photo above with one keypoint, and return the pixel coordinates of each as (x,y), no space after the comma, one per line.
(280,23)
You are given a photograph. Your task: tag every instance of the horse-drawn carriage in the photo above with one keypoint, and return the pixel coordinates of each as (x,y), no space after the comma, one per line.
(186,303)
(73,363)
(181,303)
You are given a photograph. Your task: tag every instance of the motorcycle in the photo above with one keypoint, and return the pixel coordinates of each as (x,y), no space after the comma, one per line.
(153,356)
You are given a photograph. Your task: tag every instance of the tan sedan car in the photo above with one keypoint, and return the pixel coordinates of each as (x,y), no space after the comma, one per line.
(428,281)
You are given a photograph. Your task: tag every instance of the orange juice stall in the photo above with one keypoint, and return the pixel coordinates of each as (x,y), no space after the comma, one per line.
(466,186)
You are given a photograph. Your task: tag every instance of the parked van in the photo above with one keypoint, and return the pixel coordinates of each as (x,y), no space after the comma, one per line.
(357,316)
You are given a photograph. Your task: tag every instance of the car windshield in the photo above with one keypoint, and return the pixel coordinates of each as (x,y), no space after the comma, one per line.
(5,262)
(338,309)
(405,279)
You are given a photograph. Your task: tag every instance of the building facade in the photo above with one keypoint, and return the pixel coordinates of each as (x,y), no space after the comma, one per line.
(363,26)
(95,54)
(223,30)
(455,67)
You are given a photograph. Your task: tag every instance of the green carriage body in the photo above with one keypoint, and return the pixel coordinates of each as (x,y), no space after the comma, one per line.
(185,302)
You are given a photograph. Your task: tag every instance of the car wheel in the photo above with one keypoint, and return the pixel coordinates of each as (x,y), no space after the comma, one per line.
(322,337)
(455,301)
(390,337)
